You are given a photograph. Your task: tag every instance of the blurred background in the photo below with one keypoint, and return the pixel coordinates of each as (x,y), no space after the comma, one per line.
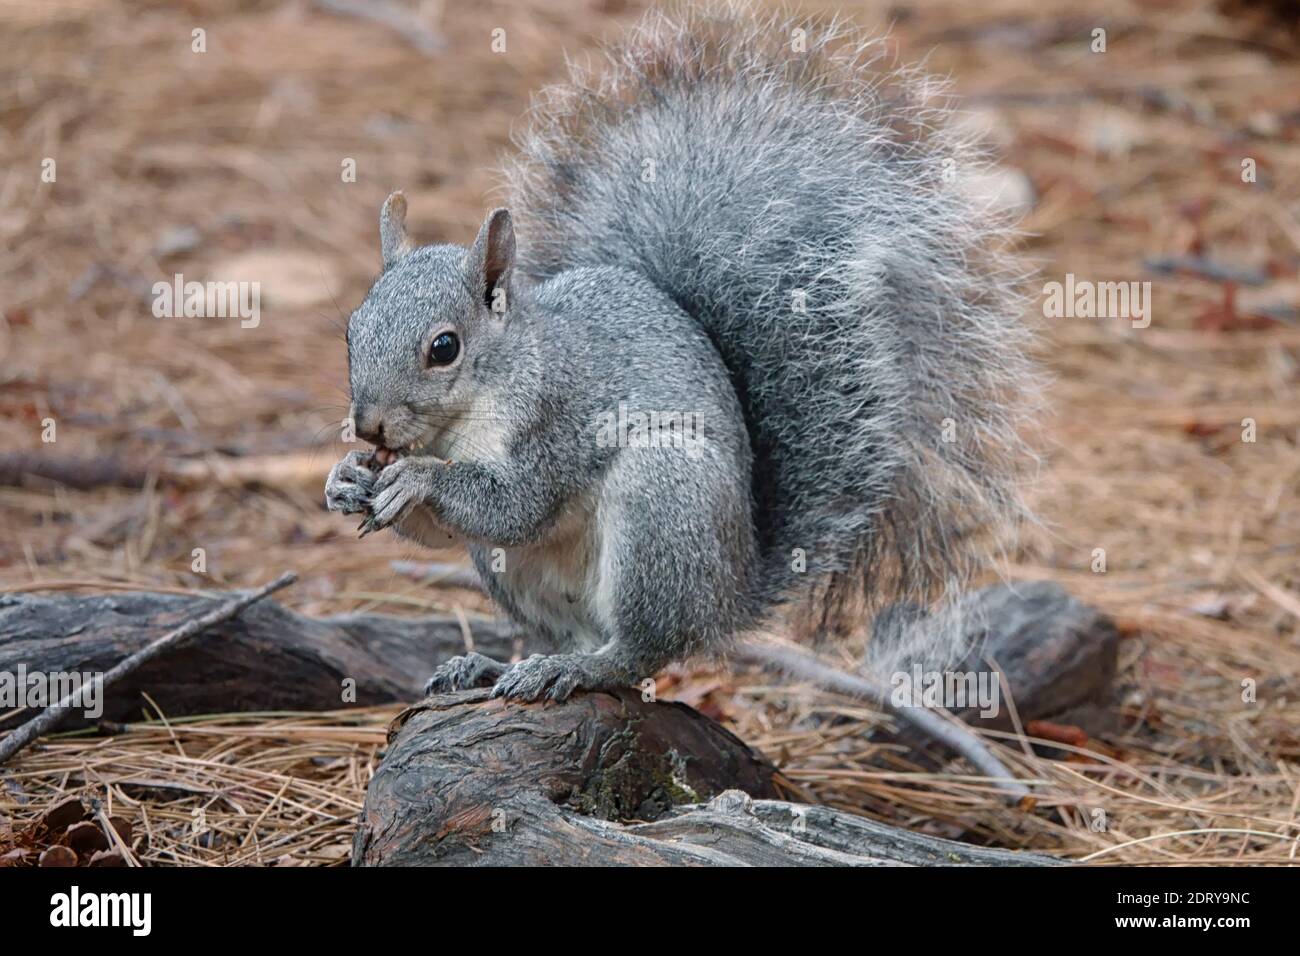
(254,141)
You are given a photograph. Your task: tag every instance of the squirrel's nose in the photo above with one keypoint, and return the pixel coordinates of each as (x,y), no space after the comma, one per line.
(369,424)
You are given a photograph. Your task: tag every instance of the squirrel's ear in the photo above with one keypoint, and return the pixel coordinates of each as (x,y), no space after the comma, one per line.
(492,258)
(392,229)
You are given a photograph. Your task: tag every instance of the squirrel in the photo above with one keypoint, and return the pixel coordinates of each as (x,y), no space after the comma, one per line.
(739,344)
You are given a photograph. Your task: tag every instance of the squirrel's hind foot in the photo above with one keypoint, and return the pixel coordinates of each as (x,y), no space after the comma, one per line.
(556,676)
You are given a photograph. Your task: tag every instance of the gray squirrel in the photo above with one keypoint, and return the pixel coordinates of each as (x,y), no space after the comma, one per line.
(740,345)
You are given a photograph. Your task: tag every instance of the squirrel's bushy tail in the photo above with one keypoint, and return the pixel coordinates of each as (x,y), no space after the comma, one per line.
(807,206)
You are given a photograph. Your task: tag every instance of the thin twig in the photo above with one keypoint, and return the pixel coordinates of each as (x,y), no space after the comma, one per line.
(49,718)
(806,666)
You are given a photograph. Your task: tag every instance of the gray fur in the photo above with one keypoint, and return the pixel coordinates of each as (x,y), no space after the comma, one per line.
(778,176)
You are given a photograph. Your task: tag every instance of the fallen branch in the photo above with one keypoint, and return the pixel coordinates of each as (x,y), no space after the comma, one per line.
(944,729)
(1052,655)
(780,833)
(56,713)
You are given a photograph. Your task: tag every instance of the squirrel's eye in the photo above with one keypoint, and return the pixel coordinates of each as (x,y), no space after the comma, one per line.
(444,349)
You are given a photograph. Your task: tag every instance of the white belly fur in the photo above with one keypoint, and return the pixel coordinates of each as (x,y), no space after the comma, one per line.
(554,582)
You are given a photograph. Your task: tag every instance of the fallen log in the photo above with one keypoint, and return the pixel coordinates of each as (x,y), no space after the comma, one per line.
(59,709)
(606,779)
(268,658)
(1054,652)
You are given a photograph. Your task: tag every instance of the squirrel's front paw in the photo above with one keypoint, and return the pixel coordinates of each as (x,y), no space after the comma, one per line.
(462,673)
(349,485)
(405,482)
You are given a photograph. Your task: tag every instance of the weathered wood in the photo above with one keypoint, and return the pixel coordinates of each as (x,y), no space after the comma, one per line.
(605,779)
(269,658)
(780,833)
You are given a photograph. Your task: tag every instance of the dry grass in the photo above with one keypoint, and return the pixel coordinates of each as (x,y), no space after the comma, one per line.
(228,164)
(221,790)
